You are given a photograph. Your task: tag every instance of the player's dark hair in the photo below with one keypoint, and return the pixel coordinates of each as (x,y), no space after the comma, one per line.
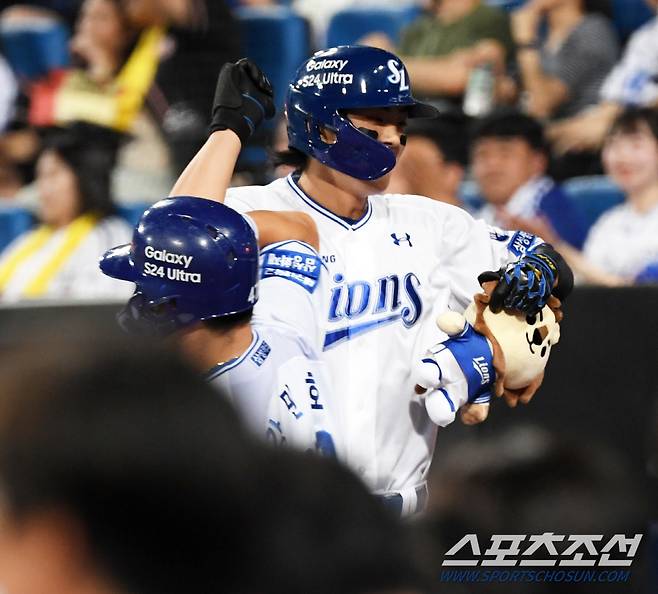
(228,323)
(291,157)
(448,132)
(91,153)
(509,124)
(632,119)
(146,457)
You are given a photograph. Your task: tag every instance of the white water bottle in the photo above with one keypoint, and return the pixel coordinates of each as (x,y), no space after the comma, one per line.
(479,95)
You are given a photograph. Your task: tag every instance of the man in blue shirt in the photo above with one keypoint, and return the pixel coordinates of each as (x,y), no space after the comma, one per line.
(510,160)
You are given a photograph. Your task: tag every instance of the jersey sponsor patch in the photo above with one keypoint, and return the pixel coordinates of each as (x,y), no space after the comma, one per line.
(303,269)
(521,242)
(261,353)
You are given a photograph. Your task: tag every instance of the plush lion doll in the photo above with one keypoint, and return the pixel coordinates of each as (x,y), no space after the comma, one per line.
(486,353)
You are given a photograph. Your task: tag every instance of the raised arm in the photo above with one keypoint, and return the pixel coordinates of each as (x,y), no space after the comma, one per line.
(243,99)
(209,173)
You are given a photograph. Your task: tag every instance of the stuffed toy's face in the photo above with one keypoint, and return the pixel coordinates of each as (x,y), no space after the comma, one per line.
(525,341)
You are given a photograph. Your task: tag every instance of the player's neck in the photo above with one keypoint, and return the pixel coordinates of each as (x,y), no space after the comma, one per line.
(342,195)
(205,348)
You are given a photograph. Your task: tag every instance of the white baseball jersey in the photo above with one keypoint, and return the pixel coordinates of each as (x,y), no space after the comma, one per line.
(623,241)
(279,385)
(634,80)
(389,274)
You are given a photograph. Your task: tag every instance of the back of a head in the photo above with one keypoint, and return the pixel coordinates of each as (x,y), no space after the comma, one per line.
(171,495)
(142,454)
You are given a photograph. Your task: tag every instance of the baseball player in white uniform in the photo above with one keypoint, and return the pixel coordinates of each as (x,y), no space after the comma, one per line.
(393,261)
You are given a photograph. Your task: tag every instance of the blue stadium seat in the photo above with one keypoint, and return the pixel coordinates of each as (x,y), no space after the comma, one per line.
(593,195)
(132,212)
(34,50)
(630,15)
(13,222)
(348,26)
(277,39)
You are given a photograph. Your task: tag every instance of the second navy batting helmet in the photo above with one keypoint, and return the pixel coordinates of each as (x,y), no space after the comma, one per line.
(334,81)
(191,259)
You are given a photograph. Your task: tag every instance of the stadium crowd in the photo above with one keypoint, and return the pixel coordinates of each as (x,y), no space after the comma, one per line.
(546,119)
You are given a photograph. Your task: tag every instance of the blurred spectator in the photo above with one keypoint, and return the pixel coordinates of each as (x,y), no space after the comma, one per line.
(434,159)
(8,94)
(10,178)
(59,259)
(560,484)
(624,241)
(568,486)
(633,81)
(563,74)
(441,48)
(152,487)
(201,36)
(510,161)
(114,69)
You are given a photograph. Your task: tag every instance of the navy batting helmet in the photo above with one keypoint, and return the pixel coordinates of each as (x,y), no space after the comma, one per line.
(334,81)
(191,259)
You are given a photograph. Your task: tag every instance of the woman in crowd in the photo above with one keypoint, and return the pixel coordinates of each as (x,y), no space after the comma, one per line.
(59,258)
(113,68)
(622,245)
(624,241)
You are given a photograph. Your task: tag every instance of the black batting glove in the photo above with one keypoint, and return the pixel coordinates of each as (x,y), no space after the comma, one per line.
(243,99)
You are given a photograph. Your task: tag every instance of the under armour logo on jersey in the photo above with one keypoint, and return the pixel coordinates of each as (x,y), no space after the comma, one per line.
(406,238)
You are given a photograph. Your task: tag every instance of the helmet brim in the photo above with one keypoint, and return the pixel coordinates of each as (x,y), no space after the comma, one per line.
(422,110)
(117,263)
